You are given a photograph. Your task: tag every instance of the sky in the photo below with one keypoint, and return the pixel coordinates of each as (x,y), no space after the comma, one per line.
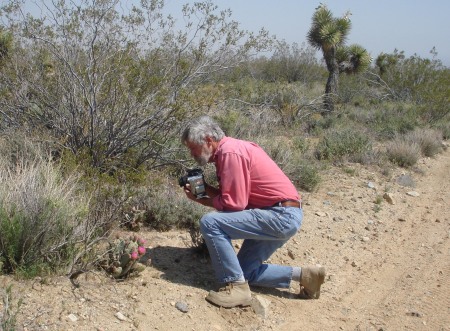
(412,26)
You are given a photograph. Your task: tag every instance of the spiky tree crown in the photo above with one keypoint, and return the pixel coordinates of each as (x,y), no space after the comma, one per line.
(326,31)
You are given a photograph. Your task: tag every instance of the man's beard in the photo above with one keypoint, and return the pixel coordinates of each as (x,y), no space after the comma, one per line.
(203,158)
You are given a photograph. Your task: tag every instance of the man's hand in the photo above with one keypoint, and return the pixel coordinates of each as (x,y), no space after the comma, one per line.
(205,201)
(189,194)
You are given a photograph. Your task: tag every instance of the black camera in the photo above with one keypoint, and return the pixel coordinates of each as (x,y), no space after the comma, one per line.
(196,180)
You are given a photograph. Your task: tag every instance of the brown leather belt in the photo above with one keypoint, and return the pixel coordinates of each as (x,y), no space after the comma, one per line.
(289,203)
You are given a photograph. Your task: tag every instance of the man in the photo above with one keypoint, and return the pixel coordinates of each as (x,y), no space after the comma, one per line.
(256,202)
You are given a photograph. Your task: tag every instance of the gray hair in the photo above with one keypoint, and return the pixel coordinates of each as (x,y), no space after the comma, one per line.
(199,128)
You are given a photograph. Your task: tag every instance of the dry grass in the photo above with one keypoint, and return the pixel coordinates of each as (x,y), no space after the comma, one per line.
(403,152)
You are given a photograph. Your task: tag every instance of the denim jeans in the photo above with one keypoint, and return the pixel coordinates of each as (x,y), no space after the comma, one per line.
(263,230)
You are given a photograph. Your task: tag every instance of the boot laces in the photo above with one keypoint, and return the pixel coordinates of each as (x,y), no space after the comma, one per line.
(226,288)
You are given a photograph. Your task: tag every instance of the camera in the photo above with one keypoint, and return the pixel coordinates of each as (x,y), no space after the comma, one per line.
(196,180)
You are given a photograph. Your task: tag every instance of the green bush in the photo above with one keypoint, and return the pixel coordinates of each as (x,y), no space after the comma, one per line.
(388,120)
(8,317)
(345,144)
(421,81)
(291,156)
(306,176)
(42,217)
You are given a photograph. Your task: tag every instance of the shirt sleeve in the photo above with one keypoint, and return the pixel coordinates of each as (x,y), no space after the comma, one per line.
(234,182)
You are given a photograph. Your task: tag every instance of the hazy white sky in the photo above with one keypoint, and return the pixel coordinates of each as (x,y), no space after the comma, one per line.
(412,26)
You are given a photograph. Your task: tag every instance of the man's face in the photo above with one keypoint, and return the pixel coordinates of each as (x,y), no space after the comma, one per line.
(201,153)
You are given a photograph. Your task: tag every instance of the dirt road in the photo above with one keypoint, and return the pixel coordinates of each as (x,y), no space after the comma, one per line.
(388,268)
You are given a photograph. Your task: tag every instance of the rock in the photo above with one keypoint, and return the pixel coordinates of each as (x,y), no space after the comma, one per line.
(261,306)
(389,197)
(120,316)
(72,318)
(406,180)
(291,254)
(370,185)
(413,193)
(320,214)
(182,306)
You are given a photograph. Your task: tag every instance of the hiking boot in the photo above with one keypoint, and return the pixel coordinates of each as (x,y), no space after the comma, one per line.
(232,295)
(311,279)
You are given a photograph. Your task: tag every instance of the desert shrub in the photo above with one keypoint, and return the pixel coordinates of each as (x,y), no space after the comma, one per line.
(291,156)
(306,175)
(169,208)
(316,124)
(11,308)
(444,128)
(429,140)
(343,144)
(41,217)
(402,152)
(353,89)
(388,120)
(418,80)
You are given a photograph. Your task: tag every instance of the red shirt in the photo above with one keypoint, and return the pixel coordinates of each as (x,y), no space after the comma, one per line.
(248,177)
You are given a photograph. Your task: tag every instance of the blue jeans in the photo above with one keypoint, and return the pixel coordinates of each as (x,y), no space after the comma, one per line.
(263,230)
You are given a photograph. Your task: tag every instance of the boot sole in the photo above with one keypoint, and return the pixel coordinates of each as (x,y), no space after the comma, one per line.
(226,305)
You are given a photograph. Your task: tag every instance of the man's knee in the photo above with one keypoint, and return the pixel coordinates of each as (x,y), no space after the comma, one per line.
(207,223)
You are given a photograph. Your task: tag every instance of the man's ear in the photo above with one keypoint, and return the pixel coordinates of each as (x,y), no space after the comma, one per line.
(208,140)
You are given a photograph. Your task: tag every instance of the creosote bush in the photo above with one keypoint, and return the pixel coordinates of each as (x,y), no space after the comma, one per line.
(338,145)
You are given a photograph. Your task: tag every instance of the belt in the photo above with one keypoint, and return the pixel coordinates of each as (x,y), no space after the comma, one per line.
(289,203)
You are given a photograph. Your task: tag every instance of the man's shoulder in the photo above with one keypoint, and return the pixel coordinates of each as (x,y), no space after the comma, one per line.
(229,145)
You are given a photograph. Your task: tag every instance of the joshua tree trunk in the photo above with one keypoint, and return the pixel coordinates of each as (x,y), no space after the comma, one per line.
(331,87)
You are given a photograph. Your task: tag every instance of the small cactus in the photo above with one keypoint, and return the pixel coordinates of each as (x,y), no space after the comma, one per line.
(123,257)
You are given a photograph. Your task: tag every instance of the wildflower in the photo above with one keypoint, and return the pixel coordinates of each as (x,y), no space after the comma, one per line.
(141,250)
(141,242)
(134,255)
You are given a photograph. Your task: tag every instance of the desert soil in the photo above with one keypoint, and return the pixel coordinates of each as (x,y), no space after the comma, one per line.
(388,268)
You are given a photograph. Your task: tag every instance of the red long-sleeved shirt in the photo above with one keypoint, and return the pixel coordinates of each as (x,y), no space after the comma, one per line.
(248,177)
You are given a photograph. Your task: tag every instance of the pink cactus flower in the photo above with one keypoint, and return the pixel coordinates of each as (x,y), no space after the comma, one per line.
(141,242)
(134,255)
(141,250)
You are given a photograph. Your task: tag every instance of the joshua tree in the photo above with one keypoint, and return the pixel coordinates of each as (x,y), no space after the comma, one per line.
(329,34)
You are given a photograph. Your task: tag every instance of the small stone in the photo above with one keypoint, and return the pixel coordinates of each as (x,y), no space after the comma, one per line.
(120,316)
(413,193)
(72,318)
(291,254)
(365,239)
(389,197)
(261,306)
(182,306)
(320,214)
(370,185)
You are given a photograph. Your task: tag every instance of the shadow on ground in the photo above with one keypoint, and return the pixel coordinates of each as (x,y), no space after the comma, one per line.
(187,266)
(192,267)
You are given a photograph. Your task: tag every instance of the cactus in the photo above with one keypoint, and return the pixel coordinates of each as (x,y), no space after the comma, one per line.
(123,257)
